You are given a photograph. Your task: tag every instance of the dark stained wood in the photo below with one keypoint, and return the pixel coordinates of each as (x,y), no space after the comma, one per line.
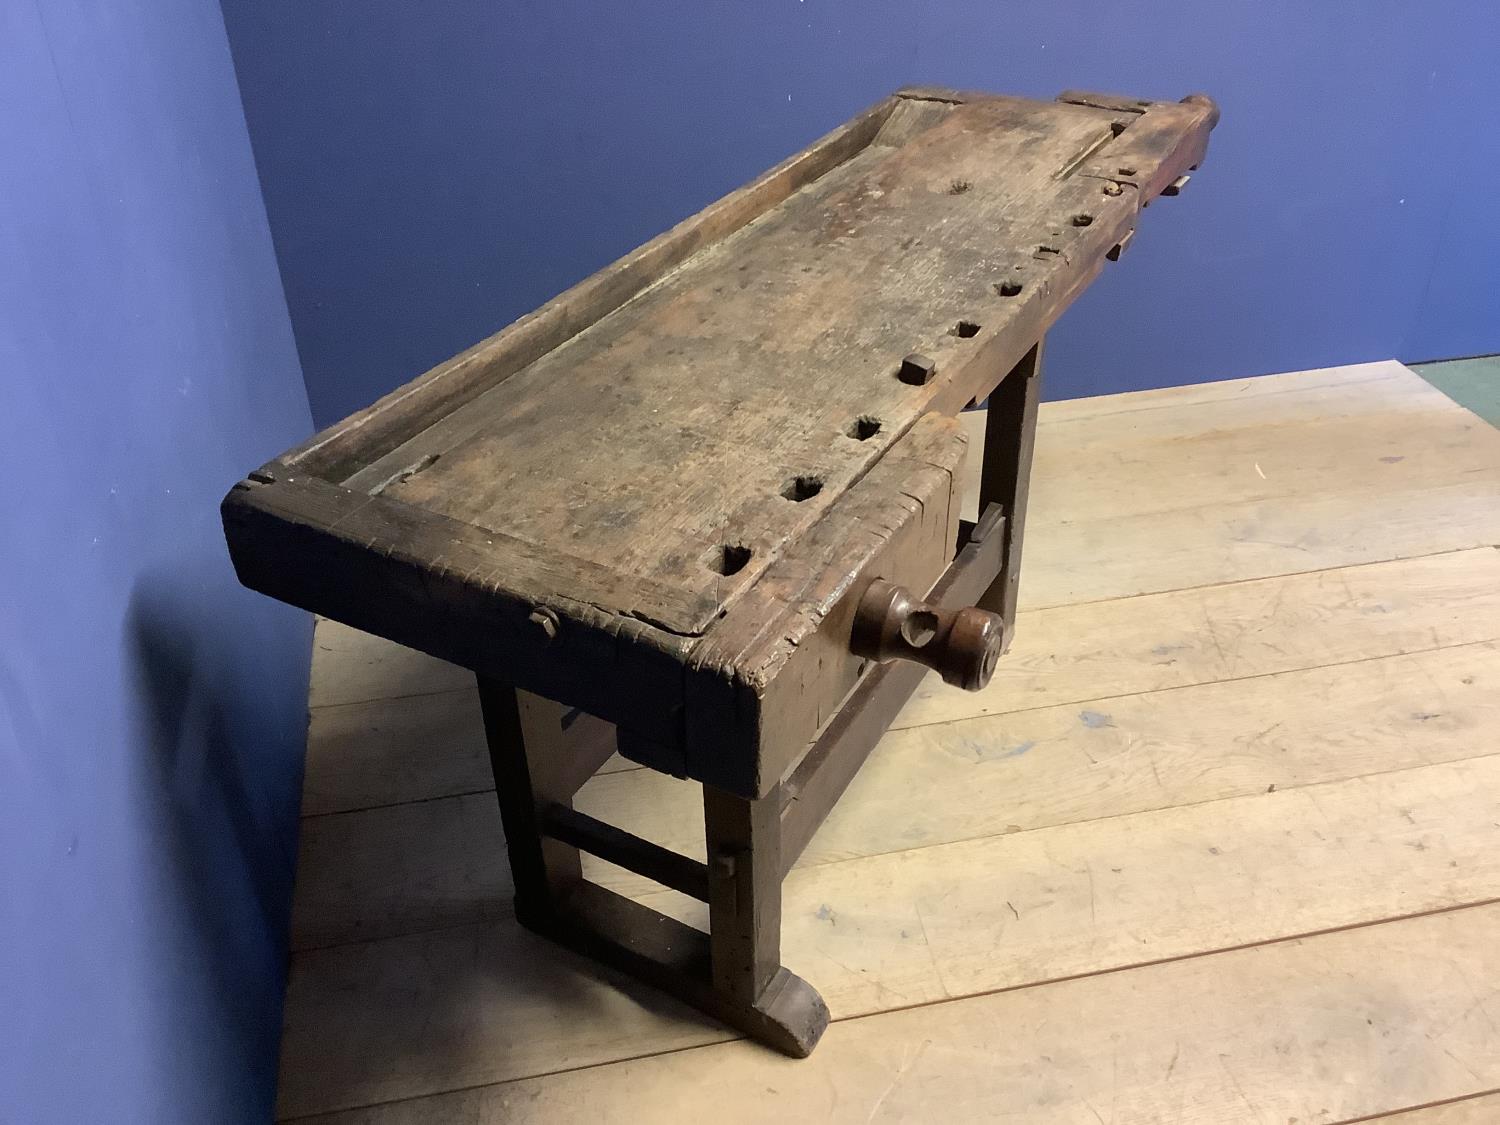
(1005,473)
(429,583)
(787,1014)
(821,777)
(544,870)
(662,756)
(733,974)
(640,458)
(960,644)
(773,670)
(744,885)
(695,496)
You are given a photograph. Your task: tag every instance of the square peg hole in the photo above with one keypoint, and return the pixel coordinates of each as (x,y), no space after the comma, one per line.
(965,329)
(863,428)
(730,558)
(802,488)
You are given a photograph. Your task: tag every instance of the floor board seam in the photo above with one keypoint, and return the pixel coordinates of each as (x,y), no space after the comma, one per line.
(313,708)
(1149,812)
(1387,1114)
(1248,393)
(1040,523)
(326,813)
(500,918)
(632,768)
(644,897)
(1197,955)
(1199,684)
(1256,578)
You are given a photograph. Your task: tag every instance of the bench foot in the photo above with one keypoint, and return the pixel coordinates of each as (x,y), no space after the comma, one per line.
(787,1014)
(790,1016)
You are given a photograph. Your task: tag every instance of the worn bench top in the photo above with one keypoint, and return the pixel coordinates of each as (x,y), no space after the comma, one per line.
(633,460)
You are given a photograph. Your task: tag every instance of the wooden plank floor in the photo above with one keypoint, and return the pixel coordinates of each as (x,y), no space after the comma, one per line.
(1221,841)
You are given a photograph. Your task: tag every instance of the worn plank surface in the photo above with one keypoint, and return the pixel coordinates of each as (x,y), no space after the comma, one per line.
(963,780)
(1003,911)
(1481,1110)
(1306,469)
(1121,884)
(641,460)
(1325,1029)
(692,409)
(943,922)
(354,667)
(1228,631)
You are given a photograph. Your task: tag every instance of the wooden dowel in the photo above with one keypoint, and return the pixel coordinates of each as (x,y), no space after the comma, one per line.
(626,850)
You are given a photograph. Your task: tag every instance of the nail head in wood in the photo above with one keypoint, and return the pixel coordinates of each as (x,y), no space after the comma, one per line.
(545,622)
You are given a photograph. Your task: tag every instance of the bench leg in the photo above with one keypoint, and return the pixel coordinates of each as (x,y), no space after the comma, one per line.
(545,871)
(744,906)
(734,972)
(1009,434)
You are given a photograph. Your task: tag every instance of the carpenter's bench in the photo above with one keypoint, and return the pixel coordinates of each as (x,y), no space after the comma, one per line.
(708,497)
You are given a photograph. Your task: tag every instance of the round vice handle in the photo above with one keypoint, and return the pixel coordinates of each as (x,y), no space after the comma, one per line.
(961,645)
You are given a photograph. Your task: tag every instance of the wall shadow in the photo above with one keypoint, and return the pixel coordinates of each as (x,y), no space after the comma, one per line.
(218,761)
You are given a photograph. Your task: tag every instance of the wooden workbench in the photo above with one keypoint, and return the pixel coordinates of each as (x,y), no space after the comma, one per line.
(708,498)
(1217,844)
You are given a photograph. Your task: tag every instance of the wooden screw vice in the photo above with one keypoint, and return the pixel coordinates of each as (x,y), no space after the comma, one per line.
(961,645)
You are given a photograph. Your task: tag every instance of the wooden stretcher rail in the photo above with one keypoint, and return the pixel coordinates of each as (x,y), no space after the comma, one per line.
(624,849)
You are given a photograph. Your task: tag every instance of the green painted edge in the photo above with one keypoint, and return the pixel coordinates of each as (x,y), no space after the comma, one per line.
(1472,383)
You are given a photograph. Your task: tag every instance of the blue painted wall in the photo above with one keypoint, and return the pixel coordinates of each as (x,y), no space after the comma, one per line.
(434,170)
(151,711)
